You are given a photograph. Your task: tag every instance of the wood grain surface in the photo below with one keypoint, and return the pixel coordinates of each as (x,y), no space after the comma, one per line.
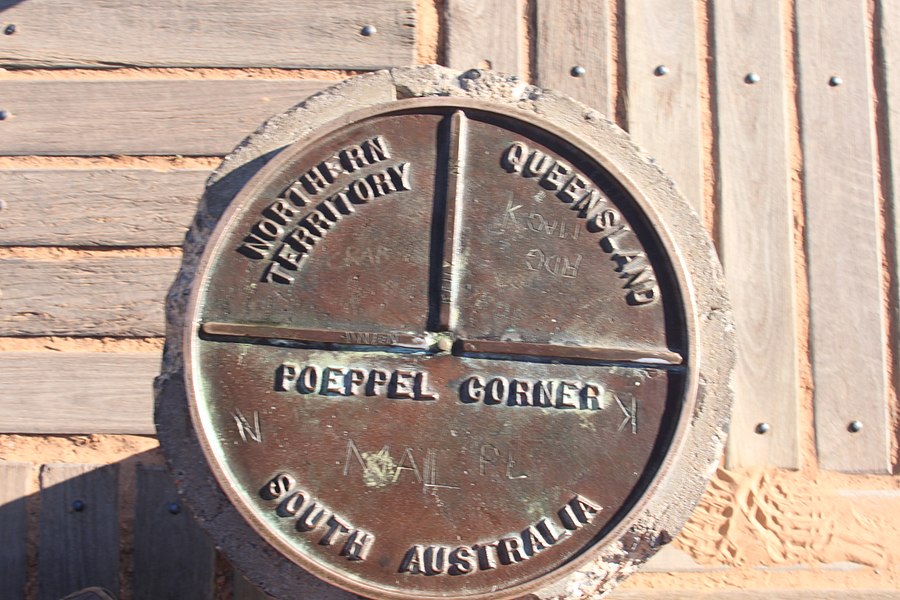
(173,558)
(77,392)
(15,479)
(78,549)
(843,237)
(756,241)
(887,16)
(100,117)
(117,296)
(484,34)
(663,110)
(92,207)
(208,33)
(576,34)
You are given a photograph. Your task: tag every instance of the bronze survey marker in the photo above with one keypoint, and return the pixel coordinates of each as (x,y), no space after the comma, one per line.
(440,350)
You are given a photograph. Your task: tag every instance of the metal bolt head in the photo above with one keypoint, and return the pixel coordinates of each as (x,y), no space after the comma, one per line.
(763,428)
(578,71)
(752,78)
(368,30)
(78,505)
(835,81)
(855,426)
(173,507)
(10,29)
(661,70)
(3,115)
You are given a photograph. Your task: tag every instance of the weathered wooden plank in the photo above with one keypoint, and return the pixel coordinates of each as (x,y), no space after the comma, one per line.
(77,392)
(843,594)
(663,89)
(78,538)
(244,590)
(14,481)
(572,35)
(188,117)
(120,296)
(847,329)
(170,33)
(173,558)
(888,17)
(484,34)
(756,230)
(94,207)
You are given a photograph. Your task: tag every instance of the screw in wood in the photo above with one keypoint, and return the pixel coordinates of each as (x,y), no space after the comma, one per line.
(752,78)
(835,81)
(368,30)
(661,70)
(10,29)
(174,508)
(78,505)
(3,115)
(763,428)
(578,71)
(855,426)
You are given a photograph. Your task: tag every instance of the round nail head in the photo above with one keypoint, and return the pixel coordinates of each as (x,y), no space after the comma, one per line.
(174,508)
(855,426)
(368,30)
(3,115)
(763,428)
(835,81)
(752,78)
(661,70)
(578,71)
(10,29)
(78,505)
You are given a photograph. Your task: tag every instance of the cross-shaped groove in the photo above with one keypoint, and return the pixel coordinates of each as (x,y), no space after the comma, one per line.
(443,298)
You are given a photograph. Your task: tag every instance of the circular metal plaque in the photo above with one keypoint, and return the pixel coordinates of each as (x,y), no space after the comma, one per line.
(446,346)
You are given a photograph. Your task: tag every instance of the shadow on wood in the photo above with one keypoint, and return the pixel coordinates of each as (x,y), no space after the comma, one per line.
(83,515)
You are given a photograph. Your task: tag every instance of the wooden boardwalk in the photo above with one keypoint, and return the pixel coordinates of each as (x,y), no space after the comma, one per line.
(785,139)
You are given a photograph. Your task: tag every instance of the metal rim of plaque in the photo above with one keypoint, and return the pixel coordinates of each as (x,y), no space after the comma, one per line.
(443,335)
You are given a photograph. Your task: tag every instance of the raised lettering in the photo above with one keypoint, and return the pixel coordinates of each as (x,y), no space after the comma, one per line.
(472,390)
(358,545)
(334,380)
(256,246)
(276,487)
(414,561)
(574,189)
(510,551)
(286,376)
(335,527)
(556,176)
(461,561)
(514,157)
(402,383)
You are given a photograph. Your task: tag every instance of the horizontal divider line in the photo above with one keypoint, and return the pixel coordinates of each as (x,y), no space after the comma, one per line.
(640,356)
(435,343)
(321,336)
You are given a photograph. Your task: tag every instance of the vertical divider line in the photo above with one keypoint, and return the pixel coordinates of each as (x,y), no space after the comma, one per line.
(446,222)
(455,190)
